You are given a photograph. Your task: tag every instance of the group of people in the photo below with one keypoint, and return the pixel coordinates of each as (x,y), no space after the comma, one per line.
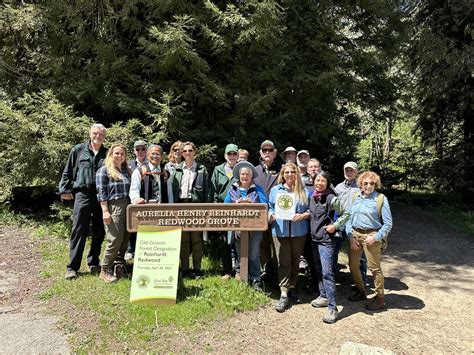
(102,183)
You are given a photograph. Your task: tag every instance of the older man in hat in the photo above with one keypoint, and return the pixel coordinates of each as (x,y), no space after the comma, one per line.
(268,171)
(289,155)
(220,183)
(345,192)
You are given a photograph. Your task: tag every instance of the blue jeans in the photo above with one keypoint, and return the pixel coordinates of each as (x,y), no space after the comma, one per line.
(255,239)
(323,263)
(337,247)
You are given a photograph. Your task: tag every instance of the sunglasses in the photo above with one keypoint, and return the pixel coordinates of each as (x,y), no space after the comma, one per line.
(290,172)
(188,150)
(176,150)
(140,149)
(369,183)
(232,153)
(269,150)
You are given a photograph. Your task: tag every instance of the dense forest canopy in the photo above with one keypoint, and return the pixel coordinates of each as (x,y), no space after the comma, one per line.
(387,83)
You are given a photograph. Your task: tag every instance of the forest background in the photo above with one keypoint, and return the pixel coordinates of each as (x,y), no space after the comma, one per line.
(385,83)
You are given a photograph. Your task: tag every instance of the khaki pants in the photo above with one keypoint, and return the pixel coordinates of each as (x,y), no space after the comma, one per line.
(288,251)
(373,254)
(191,241)
(116,233)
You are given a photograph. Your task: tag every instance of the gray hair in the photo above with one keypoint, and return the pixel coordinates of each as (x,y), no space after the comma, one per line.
(99,126)
(246,169)
(155,146)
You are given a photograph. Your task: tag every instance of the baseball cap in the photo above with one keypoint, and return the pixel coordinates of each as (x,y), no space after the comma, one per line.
(139,144)
(267,142)
(352,165)
(231,148)
(304,151)
(289,149)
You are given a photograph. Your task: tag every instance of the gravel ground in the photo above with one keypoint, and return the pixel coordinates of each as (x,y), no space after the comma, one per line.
(429,270)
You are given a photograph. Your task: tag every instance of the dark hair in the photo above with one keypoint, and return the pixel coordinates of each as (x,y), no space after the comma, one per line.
(325,175)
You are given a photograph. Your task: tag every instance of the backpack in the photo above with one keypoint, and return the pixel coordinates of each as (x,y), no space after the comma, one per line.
(380,198)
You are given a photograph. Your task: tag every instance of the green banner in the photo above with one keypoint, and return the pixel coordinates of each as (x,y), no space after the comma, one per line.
(156,265)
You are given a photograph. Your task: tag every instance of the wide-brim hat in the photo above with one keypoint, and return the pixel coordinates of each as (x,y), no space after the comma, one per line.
(289,149)
(244,164)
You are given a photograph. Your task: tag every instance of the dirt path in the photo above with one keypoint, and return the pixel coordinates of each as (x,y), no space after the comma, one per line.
(24,327)
(429,270)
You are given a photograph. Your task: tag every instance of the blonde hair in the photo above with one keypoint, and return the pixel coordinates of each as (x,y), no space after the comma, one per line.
(112,172)
(298,188)
(372,176)
(171,156)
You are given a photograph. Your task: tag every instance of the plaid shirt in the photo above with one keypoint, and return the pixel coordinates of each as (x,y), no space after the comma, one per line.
(108,189)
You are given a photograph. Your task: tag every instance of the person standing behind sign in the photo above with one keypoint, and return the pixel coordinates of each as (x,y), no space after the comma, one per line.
(190,184)
(289,235)
(244,190)
(323,205)
(220,183)
(113,186)
(175,156)
(78,184)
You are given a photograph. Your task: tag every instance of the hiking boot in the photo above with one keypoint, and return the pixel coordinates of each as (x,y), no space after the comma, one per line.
(187,274)
(94,269)
(120,271)
(281,304)
(293,296)
(331,316)
(226,277)
(106,275)
(358,295)
(320,302)
(70,274)
(376,303)
(257,285)
(237,276)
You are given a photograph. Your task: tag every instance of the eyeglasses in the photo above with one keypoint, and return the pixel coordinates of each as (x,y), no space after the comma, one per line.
(188,150)
(269,150)
(176,150)
(371,183)
(140,149)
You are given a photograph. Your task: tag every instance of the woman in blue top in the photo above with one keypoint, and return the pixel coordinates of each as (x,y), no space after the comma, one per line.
(244,190)
(367,225)
(323,206)
(113,188)
(289,235)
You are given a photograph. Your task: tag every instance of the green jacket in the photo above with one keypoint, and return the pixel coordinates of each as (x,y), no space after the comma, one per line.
(80,169)
(201,191)
(220,183)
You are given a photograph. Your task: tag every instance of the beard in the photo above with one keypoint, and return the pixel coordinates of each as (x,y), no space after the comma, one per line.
(302,165)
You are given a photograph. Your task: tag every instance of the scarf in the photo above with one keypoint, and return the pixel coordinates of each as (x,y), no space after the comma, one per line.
(318,195)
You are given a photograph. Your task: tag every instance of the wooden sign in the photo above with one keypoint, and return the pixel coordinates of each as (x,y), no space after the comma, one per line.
(200,216)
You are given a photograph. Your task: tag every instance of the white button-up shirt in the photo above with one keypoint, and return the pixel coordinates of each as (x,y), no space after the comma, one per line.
(187,181)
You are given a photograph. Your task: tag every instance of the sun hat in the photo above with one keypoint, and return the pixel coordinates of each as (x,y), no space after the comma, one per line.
(244,164)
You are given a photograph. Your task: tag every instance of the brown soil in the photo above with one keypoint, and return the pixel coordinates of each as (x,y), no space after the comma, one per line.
(429,282)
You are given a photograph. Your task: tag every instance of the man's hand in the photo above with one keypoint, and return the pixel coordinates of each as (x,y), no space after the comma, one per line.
(67,197)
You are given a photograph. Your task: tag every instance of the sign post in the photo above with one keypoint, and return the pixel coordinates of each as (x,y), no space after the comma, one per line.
(244,217)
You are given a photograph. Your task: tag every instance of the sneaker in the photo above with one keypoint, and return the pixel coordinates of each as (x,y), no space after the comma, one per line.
(376,303)
(94,269)
(226,277)
(293,296)
(331,316)
(257,285)
(120,271)
(198,274)
(281,304)
(320,302)
(358,295)
(128,256)
(106,275)
(70,274)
